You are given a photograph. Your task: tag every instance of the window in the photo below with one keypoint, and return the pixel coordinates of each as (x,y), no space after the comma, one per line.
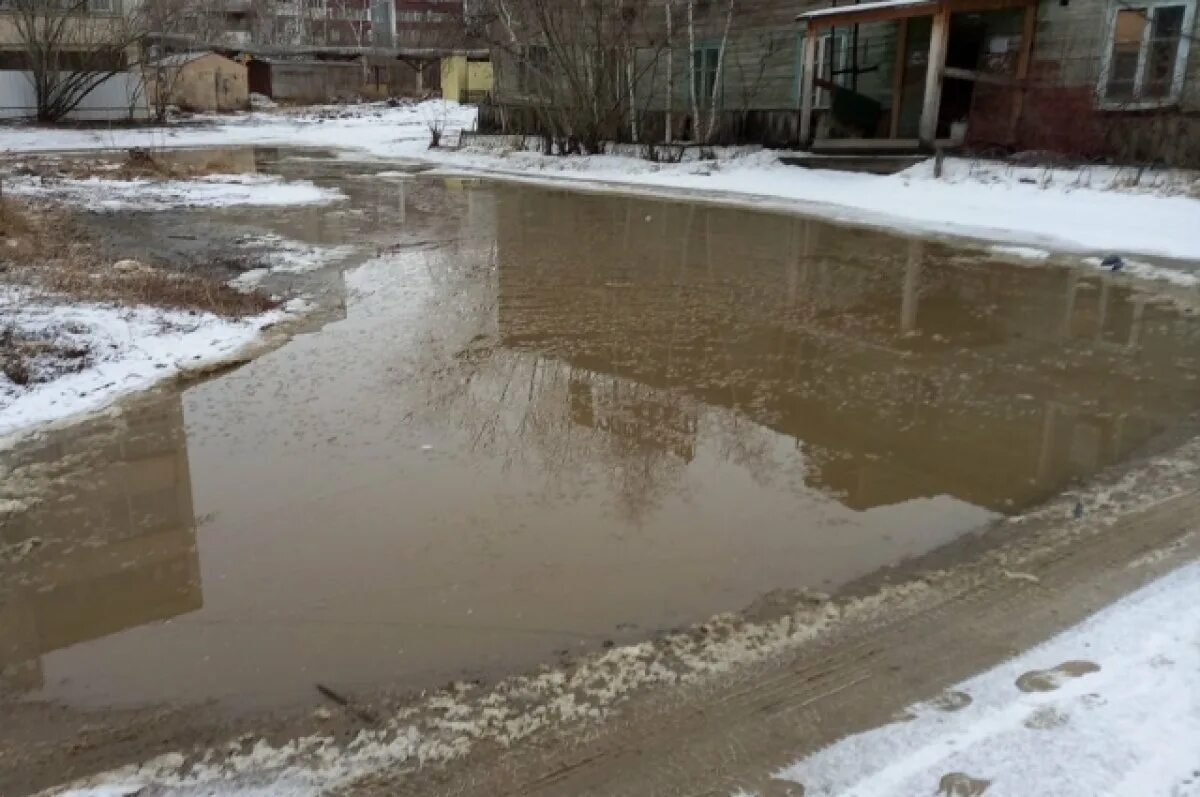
(532,69)
(421,17)
(833,65)
(704,72)
(833,60)
(350,11)
(1146,54)
(607,73)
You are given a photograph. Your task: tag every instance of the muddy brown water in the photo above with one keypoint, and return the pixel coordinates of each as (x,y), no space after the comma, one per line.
(541,421)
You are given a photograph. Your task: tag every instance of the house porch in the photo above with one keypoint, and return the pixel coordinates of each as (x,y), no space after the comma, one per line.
(944,57)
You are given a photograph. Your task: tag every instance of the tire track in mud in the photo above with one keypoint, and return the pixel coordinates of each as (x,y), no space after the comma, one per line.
(731,732)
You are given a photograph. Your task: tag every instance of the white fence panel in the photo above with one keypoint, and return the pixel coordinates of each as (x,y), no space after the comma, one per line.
(122,96)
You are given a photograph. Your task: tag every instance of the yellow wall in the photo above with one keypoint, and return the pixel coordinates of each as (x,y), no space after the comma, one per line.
(462,78)
(479,76)
(454,76)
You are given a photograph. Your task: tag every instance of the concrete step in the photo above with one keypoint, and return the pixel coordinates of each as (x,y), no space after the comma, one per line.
(865,163)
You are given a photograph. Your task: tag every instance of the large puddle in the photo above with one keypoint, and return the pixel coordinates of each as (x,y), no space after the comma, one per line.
(552,421)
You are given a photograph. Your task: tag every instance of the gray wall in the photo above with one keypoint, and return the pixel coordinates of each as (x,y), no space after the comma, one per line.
(315,81)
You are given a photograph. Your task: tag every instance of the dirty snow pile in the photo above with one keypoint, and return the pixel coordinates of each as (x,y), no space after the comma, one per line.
(1109,707)
(115,350)
(97,193)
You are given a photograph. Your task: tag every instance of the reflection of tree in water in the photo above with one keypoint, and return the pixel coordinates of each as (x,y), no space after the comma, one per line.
(569,425)
(647,437)
(770,459)
(575,426)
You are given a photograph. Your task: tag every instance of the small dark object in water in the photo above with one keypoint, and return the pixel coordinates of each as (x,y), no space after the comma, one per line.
(1113,262)
(1078,510)
(350,706)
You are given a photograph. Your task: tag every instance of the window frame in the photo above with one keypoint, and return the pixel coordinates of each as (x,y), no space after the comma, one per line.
(528,79)
(823,98)
(1137,103)
(704,99)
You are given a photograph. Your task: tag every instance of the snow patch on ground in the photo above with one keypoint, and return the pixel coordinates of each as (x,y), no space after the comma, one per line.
(1024,252)
(1125,179)
(98,193)
(129,349)
(281,255)
(374,128)
(1108,707)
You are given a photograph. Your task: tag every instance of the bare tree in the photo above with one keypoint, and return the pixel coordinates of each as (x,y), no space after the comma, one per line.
(164,19)
(73,46)
(669,9)
(713,97)
(351,20)
(714,100)
(583,65)
(693,75)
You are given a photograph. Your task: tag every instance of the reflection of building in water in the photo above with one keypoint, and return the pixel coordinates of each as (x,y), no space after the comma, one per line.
(110,538)
(908,369)
(229,160)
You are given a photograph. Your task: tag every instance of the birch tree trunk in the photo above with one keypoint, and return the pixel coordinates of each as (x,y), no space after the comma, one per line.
(691,24)
(716,89)
(669,6)
(633,110)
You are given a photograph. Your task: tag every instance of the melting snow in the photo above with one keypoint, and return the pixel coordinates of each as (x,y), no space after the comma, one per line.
(287,256)
(98,193)
(130,348)
(1109,707)
(1185,279)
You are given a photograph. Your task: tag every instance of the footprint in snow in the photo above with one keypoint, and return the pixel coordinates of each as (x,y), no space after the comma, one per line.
(951,700)
(1046,718)
(1049,680)
(960,784)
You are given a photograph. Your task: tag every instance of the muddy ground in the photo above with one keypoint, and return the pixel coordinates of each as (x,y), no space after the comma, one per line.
(591,364)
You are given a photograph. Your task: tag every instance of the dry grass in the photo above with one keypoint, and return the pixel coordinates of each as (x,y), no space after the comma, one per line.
(26,360)
(48,249)
(13,220)
(151,286)
(142,163)
(139,163)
